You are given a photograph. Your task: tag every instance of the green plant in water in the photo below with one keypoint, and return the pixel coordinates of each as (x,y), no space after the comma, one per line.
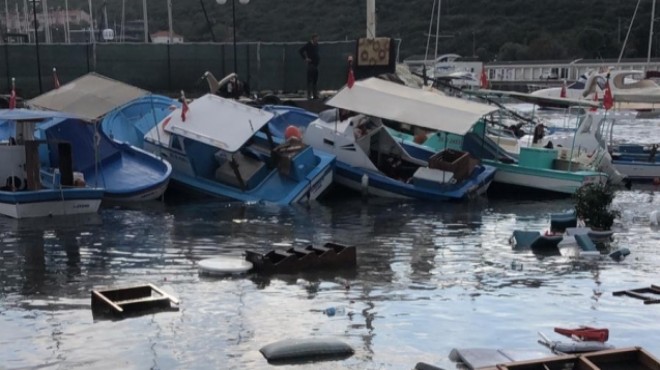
(592,204)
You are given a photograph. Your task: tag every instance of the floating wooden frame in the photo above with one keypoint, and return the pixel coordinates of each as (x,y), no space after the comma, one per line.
(129,301)
(639,294)
(634,358)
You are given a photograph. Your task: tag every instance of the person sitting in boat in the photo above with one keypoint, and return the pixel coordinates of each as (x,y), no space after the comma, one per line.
(539,133)
(13,184)
(517,130)
(653,152)
(335,114)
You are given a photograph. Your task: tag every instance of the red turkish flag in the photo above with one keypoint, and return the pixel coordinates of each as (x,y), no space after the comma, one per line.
(608,100)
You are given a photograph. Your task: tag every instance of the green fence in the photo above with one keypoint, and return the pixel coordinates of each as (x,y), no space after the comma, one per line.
(169,68)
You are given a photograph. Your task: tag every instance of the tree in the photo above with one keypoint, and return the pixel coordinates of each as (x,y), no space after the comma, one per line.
(592,204)
(513,51)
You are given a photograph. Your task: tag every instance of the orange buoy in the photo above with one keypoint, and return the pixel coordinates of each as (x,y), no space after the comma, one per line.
(656,181)
(292,131)
(420,138)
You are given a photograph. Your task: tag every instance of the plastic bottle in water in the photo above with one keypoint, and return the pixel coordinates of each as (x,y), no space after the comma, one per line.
(332,311)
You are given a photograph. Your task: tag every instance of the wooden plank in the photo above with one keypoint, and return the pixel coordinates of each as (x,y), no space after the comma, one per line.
(174,300)
(106,300)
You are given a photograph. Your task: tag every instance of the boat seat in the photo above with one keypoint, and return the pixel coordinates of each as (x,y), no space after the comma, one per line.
(425,174)
(247,166)
(524,239)
(585,243)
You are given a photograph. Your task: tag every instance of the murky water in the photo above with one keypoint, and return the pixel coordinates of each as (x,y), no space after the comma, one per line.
(429,278)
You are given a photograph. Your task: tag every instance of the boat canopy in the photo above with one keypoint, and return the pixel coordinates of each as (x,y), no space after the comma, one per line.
(223,123)
(389,100)
(537,99)
(21,114)
(90,96)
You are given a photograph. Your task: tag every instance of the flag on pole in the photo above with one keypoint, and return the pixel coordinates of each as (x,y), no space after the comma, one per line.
(593,109)
(562,94)
(484,79)
(351,77)
(608,100)
(56,81)
(12,97)
(184,106)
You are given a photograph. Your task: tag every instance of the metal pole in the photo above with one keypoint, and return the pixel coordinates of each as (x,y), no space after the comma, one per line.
(67,30)
(44,9)
(169,20)
(146,21)
(648,57)
(123,20)
(36,45)
(233,17)
(92,37)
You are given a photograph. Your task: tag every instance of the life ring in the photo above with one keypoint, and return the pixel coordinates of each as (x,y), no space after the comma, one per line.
(372,61)
(381,54)
(375,46)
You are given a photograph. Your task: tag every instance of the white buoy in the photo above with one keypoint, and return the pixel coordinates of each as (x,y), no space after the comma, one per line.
(224,265)
(365,184)
(653,218)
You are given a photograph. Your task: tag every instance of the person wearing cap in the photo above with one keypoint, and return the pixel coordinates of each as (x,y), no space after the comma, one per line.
(310,53)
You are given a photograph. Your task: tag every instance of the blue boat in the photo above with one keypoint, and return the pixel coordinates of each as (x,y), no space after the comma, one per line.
(371,160)
(21,192)
(126,173)
(223,148)
(130,122)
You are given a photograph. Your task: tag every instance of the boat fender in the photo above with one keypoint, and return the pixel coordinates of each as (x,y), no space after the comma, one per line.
(291,350)
(425,366)
(619,254)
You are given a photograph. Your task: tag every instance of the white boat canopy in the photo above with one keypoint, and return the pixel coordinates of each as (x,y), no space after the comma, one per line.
(91,96)
(389,100)
(223,123)
(537,99)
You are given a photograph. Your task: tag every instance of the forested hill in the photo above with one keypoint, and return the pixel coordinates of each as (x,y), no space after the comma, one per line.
(491,29)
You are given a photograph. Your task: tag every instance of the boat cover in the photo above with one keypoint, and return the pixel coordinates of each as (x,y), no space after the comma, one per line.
(536,99)
(223,123)
(21,114)
(90,96)
(392,101)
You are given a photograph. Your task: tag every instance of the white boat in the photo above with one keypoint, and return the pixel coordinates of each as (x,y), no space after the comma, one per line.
(22,194)
(630,89)
(371,160)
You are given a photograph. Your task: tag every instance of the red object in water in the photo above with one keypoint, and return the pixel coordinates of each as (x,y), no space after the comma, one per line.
(562,93)
(608,100)
(586,333)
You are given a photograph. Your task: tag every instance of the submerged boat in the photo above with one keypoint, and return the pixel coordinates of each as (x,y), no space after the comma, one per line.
(22,194)
(126,174)
(532,169)
(223,148)
(130,122)
(371,160)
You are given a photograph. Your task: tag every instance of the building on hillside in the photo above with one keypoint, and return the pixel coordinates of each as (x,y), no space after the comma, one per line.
(163,37)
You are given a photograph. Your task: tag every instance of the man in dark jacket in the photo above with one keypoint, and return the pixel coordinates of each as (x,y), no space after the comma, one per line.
(310,53)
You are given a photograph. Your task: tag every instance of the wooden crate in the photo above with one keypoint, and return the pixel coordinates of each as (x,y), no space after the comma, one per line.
(614,359)
(121,302)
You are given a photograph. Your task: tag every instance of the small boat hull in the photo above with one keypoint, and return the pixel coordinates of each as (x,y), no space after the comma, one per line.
(46,203)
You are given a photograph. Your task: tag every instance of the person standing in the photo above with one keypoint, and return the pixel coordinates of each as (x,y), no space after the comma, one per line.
(310,53)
